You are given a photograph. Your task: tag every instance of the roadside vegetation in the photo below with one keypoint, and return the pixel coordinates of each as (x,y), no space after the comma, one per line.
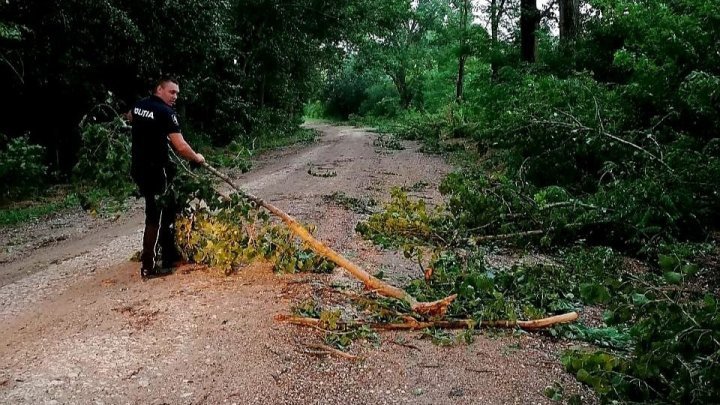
(585,134)
(596,151)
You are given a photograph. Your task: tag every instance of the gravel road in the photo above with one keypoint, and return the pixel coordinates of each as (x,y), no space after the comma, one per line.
(80,327)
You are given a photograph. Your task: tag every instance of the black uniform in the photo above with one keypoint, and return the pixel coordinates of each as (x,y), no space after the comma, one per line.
(152,171)
(152,122)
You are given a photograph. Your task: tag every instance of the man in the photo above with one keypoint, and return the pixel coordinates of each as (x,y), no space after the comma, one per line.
(154,126)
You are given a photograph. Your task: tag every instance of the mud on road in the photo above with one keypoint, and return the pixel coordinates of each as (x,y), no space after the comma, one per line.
(79,326)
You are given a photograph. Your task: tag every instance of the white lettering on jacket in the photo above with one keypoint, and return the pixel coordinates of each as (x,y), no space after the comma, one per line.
(143,113)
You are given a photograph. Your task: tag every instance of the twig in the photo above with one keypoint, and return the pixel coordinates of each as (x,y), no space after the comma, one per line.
(20,76)
(504,236)
(317,348)
(408,345)
(580,126)
(572,203)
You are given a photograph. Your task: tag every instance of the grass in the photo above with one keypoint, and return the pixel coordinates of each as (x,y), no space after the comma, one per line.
(20,212)
(301,135)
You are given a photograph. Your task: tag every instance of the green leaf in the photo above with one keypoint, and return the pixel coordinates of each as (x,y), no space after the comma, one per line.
(583,376)
(668,263)
(640,299)
(673,277)
(690,269)
(593,293)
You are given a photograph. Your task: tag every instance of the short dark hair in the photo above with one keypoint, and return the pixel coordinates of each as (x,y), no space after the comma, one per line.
(165,79)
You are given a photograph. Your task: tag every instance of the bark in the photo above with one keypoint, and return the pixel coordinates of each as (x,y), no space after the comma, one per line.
(325,349)
(460,79)
(435,308)
(529,22)
(497,9)
(462,57)
(400,83)
(412,324)
(569,15)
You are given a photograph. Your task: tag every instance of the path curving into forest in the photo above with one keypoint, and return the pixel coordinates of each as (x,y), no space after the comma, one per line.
(79,326)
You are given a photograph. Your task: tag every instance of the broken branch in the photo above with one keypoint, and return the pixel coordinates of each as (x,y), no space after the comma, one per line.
(436,308)
(412,324)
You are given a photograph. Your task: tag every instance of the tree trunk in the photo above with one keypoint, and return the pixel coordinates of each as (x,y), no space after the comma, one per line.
(462,54)
(569,19)
(262,91)
(497,9)
(460,79)
(406,97)
(529,23)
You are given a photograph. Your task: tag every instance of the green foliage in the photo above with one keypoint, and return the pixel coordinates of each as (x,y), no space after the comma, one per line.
(344,93)
(229,234)
(21,168)
(234,155)
(343,339)
(402,220)
(314,110)
(674,356)
(664,335)
(104,158)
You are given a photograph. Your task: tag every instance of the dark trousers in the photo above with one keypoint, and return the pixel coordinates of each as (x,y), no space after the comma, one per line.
(160,214)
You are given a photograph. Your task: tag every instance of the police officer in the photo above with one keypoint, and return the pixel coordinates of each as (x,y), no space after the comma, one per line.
(154,127)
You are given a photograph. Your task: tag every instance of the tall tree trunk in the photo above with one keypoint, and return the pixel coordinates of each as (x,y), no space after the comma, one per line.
(497,9)
(462,54)
(262,91)
(529,23)
(569,16)
(398,79)
(460,79)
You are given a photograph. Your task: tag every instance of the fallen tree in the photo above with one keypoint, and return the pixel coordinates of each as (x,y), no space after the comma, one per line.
(435,308)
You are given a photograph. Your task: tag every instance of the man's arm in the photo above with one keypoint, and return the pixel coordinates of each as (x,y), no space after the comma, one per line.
(183,148)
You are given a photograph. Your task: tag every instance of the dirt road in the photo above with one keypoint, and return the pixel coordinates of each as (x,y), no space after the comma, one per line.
(80,327)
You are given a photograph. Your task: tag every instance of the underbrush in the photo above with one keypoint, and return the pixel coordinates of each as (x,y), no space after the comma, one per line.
(229,233)
(100,181)
(658,339)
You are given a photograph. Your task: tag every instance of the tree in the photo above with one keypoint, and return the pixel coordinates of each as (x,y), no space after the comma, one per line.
(569,19)
(529,23)
(400,47)
(464,8)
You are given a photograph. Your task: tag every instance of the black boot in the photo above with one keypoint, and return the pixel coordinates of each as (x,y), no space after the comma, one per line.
(147,268)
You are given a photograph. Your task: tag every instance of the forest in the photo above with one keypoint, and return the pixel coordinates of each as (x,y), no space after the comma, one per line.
(585,130)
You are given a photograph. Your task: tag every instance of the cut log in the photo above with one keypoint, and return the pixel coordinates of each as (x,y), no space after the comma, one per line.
(435,308)
(412,324)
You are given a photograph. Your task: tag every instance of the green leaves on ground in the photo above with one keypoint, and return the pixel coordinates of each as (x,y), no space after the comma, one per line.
(229,234)
(659,332)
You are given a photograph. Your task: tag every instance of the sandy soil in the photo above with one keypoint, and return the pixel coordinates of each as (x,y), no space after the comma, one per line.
(79,326)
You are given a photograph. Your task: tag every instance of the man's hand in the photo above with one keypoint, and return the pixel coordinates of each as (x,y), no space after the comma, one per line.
(198,162)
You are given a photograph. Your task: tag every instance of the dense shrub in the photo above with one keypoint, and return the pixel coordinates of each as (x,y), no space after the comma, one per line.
(104,158)
(22,170)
